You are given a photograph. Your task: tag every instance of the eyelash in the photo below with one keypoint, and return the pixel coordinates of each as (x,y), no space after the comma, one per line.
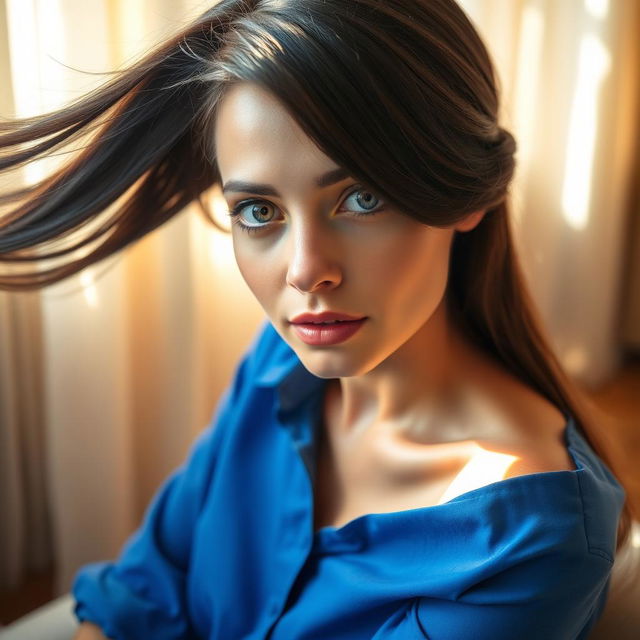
(234,214)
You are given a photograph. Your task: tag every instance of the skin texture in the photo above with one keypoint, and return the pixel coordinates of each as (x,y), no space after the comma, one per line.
(315,254)
(408,399)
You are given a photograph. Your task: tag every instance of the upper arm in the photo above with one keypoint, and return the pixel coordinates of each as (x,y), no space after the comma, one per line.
(553,596)
(143,593)
(561,604)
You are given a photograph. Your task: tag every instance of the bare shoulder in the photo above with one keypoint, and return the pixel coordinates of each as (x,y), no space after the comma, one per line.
(538,443)
(522,423)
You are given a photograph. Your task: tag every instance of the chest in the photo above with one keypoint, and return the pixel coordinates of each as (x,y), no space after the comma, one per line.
(379,471)
(340,496)
(375,473)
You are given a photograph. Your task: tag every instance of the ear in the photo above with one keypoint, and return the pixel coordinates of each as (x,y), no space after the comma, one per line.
(470,222)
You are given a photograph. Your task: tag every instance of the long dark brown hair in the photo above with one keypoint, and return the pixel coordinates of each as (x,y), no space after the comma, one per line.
(402,93)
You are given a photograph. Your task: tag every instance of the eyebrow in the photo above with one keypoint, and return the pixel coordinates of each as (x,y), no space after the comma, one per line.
(325,180)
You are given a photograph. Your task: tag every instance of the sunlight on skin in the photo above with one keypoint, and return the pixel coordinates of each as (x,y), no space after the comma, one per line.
(483,468)
(446,440)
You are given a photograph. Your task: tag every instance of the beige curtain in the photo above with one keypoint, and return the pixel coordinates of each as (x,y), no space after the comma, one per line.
(132,354)
(569,71)
(106,379)
(25,530)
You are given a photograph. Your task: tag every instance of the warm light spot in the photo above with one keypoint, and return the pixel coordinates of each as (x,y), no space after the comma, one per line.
(527,81)
(576,360)
(24,47)
(218,207)
(215,244)
(220,250)
(130,24)
(89,289)
(266,47)
(220,246)
(483,468)
(594,64)
(37,41)
(597,8)
(23,44)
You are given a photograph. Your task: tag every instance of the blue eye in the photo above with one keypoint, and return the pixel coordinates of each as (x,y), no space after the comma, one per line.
(261,213)
(365,199)
(258,213)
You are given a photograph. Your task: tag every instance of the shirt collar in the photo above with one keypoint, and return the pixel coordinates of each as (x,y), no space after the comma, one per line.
(273,374)
(295,384)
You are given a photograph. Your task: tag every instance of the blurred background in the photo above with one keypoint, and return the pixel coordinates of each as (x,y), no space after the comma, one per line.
(106,379)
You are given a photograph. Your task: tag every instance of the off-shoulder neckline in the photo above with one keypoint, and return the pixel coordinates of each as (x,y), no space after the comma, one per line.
(573,440)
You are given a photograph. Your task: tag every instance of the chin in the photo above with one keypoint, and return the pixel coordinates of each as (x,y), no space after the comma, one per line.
(331,365)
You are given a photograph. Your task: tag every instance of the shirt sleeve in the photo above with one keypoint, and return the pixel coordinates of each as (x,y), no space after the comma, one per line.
(143,593)
(558,596)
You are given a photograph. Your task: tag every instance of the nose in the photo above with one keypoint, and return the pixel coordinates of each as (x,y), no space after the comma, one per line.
(313,257)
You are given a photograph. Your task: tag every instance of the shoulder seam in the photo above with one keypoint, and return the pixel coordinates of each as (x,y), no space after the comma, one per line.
(597,551)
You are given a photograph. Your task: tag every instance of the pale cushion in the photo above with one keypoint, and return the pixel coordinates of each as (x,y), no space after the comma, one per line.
(53,621)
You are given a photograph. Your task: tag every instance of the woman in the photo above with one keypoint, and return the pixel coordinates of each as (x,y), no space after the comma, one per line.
(400,454)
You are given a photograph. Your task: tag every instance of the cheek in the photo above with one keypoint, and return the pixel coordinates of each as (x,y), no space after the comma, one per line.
(252,267)
(406,265)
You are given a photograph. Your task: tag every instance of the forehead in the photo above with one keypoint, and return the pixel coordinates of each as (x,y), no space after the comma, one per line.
(255,136)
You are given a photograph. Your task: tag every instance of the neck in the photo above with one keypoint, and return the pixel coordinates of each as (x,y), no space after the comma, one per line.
(413,389)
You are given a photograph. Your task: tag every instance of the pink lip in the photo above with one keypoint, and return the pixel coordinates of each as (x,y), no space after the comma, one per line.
(325,316)
(327,334)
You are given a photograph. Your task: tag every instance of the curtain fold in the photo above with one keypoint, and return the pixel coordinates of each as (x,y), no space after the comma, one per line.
(106,379)
(25,534)
(571,95)
(25,529)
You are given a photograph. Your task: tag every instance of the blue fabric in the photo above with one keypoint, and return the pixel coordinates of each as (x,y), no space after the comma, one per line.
(227,549)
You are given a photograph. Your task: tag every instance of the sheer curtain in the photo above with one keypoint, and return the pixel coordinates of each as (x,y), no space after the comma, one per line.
(133,354)
(106,379)
(571,93)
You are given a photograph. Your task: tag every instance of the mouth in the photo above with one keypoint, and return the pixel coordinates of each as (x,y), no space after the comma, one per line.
(327,333)
(324,318)
(320,324)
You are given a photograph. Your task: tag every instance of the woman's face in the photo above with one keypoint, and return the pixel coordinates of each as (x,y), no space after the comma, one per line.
(328,247)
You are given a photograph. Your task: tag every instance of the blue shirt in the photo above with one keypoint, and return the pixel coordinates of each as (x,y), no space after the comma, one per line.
(227,549)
